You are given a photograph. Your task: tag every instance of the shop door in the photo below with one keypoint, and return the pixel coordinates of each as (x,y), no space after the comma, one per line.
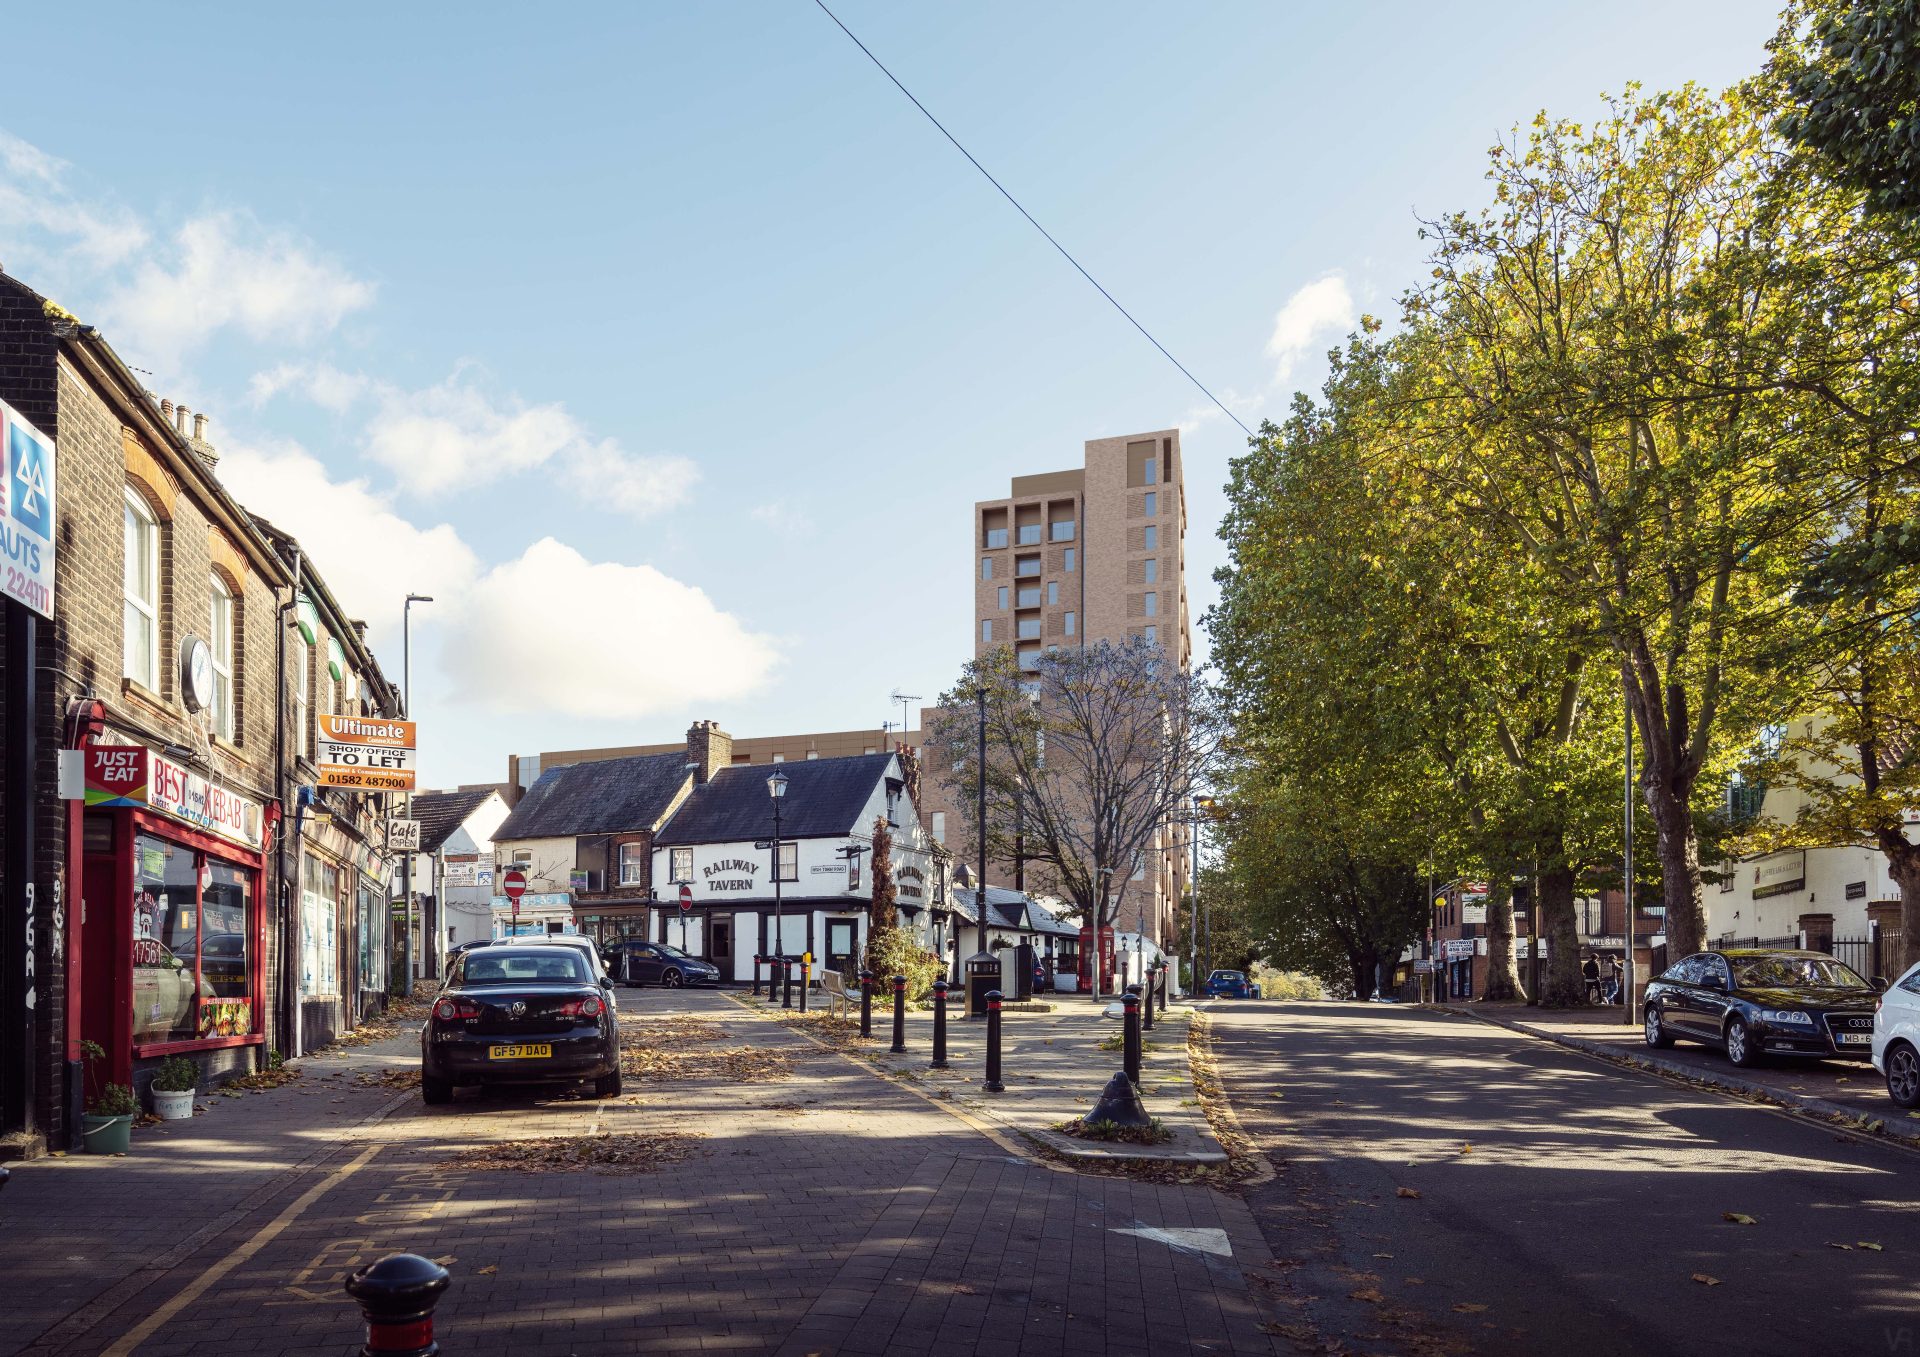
(720,944)
(105,1013)
(840,936)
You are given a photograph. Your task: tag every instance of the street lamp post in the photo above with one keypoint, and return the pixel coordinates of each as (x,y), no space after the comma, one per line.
(406,710)
(776,792)
(982,962)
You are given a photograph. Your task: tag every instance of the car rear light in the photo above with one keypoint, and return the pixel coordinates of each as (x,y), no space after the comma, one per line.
(588,1007)
(450,1010)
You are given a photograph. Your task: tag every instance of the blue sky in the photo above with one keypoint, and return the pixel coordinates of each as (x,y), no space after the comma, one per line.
(669,347)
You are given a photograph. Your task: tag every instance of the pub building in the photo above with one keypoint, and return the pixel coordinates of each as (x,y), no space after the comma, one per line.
(168,776)
(717,853)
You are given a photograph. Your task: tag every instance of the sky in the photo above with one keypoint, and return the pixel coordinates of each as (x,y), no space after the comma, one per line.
(669,347)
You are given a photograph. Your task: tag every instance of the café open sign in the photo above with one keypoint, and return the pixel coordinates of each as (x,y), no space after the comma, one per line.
(370,753)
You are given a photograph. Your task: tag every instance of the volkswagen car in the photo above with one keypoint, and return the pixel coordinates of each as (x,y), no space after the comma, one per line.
(1754,1003)
(1896,1039)
(520,1014)
(656,963)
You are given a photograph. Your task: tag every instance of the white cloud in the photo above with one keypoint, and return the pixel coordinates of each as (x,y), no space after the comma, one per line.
(43,218)
(369,555)
(322,383)
(1317,312)
(782,518)
(636,485)
(554,632)
(224,269)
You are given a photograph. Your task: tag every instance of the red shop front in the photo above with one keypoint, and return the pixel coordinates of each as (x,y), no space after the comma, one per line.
(171,939)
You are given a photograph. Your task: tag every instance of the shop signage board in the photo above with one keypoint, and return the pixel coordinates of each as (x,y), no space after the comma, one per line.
(541,900)
(26,513)
(370,753)
(403,836)
(462,874)
(130,775)
(1780,874)
(1459,949)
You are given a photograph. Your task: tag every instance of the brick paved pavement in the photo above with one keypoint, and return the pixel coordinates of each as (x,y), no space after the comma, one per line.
(768,1234)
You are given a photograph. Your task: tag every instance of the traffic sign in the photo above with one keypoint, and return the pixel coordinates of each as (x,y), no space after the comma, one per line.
(686,898)
(763,844)
(514,885)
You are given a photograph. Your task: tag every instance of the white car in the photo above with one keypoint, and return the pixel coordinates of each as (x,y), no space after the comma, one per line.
(1896,1038)
(579,943)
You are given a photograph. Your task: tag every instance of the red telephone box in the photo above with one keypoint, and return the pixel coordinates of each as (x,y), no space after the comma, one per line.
(1087,958)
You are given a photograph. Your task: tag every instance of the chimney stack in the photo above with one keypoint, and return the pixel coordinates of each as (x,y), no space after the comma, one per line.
(166,410)
(199,428)
(180,420)
(709,749)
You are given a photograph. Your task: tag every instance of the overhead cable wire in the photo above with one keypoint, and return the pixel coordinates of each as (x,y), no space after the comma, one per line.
(1064,254)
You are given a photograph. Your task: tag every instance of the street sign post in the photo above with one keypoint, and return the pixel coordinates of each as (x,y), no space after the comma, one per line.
(514,885)
(686,898)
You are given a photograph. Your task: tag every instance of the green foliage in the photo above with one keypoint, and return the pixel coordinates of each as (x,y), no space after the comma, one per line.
(897,952)
(1850,74)
(1290,985)
(113,1100)
(1155,1132)
(176,1074)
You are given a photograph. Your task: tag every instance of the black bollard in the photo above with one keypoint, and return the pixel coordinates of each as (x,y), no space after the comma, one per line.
(786,991)
(756,977)
(939,1025)
(899,1014)
(806,979)
(1146,1018)
(397,1295)
(866,1002)
(993,1084)
(1130,1034)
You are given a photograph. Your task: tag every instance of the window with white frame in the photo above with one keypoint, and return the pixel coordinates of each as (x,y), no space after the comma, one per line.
(142,578)
(633,864)
(220,627)
(302,724)
(682,865)
(789,860)
(939,826)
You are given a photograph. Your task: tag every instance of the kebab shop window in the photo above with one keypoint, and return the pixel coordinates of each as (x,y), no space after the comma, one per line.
(193,944)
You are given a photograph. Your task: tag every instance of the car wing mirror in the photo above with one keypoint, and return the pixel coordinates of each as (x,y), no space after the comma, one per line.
(1881,982)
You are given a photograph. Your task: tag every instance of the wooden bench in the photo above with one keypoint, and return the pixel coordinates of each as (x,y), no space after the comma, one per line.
(835,988)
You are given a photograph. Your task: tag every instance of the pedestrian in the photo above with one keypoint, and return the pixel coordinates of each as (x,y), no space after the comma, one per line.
(1610,980)
(1590,968)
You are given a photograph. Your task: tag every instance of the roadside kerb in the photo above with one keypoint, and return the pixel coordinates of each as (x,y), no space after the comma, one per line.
(1822,1110)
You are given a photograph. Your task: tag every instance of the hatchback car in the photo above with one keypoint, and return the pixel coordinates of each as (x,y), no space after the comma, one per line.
(520,1014)
(1896,1039)
(1754,1003)
(1231,985)
(655,963)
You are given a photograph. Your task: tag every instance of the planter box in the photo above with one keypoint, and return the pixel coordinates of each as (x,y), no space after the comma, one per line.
(106,1135)
(173,1106)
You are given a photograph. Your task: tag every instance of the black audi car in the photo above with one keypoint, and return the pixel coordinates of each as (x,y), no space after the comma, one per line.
(1755,1003)
(519,1015)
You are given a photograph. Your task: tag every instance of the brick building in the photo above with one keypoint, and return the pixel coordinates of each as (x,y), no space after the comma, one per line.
(181,712)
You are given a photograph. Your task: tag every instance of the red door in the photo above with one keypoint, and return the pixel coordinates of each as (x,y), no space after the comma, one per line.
(105,1007)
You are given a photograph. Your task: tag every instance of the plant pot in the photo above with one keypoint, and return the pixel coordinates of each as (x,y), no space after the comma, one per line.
(106,1135)
(172,1104)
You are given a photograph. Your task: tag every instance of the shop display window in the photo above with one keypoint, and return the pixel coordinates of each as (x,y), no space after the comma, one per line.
(193,956)
(319,928)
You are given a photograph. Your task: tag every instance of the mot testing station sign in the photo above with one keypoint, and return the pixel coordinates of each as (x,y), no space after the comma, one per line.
(26,513)
(371,753)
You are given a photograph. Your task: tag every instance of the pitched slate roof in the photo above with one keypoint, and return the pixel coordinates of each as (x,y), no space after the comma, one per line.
(1011,909)
(608,796)
(824,798)
(441,813)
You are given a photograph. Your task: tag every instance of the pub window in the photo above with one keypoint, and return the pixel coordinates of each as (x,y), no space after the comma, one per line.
(220,642)
(633,858)
(681,868)
(789,860)
(193,960)
(142,578)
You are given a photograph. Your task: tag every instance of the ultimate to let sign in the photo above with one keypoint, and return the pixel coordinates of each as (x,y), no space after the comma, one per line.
(370,753)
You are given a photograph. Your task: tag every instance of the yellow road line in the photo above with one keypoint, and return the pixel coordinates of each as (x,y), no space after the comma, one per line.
(267,1233)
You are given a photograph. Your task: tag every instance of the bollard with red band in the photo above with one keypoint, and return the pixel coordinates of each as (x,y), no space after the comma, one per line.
(993,1084)
(397,1295)
(866,1002)
(939,1025)
(756,977)
(786,981)
(899,1014)
(1130,1034)
(1146,1014)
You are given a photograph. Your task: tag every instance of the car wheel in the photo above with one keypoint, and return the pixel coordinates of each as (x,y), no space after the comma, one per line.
(1741,1048)
(607,1085)
(1656,1030)
(671,980)
(434,1092)
(1903,1074)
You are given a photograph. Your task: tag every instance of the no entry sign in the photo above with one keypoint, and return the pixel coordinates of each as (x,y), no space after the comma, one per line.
(514,884)
(686,898)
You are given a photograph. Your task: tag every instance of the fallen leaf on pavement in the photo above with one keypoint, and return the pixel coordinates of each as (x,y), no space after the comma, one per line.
(1468,1307)
(603,1153)
(1875,1247)
(1844,1248)
(488,1270)
(1705,1280)
(1370,1294)
(1383,1255)
(1406,1192)
(1466,1148)
(1737,1218)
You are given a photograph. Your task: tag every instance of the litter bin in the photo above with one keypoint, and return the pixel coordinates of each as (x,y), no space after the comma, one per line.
(983,977)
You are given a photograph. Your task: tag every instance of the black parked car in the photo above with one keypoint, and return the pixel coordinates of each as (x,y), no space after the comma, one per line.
(655,963)
(519,1015)
(1756,1003)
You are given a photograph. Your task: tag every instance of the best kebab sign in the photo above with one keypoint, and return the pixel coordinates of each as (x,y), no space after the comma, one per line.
(370,753)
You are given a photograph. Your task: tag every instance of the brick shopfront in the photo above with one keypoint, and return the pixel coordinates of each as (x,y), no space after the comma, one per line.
(169,954)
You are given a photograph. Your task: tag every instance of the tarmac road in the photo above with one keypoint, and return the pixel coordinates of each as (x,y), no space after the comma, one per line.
(1447,1186)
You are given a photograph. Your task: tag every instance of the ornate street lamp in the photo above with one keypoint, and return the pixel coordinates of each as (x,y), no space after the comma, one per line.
(776,792)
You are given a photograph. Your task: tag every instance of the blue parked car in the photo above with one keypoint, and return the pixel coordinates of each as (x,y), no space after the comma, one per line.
(1231,985)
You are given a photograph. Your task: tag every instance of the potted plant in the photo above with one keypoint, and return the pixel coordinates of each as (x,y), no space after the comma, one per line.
(107,1125)
(173,1088)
